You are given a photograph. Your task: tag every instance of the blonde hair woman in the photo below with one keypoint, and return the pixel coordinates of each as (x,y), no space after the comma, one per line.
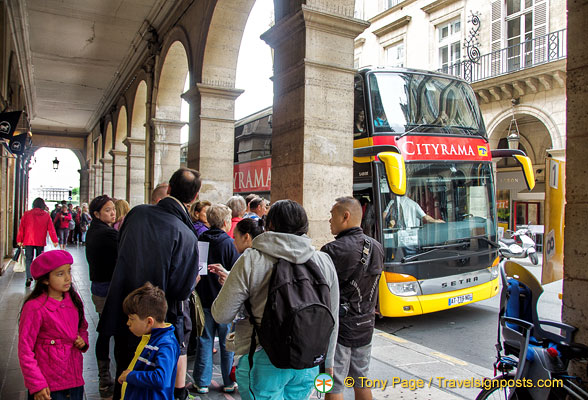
(122,209)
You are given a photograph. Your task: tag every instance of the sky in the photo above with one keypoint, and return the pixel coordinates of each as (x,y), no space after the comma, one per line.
(254,65)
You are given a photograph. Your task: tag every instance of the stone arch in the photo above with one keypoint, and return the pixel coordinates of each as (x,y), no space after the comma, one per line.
(106,161)
(219,65)
(554,133)
(175,64)
(136,151)
(119,156)
(165,153)
(121,127)
(213,99)
(535,137)
(107,145)
(139,112)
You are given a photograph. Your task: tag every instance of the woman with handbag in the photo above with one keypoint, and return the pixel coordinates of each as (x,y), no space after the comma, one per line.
(62,223)
(32,234)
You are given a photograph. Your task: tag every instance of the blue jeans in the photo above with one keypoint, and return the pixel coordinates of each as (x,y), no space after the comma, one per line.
(203,363)
(30,255)
(76,393)
(268,382)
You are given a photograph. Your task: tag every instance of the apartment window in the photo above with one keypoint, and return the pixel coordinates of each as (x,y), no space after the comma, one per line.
(449,42)
(391,3)
(395,55)
(519,31)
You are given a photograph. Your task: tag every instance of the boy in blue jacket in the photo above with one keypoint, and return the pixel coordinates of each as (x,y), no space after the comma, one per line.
(152,372)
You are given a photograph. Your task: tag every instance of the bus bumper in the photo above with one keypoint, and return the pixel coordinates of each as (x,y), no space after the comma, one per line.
(401,306)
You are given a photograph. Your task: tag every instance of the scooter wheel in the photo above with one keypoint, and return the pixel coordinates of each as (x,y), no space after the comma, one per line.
(534,259)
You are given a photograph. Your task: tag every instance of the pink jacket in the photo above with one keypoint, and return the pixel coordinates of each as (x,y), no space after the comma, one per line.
(33,228)
(47,331)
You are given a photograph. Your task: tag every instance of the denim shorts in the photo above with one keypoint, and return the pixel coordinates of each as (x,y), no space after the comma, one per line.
(268,382)
(353,362)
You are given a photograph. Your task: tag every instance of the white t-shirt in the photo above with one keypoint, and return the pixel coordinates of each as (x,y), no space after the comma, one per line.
(410,216)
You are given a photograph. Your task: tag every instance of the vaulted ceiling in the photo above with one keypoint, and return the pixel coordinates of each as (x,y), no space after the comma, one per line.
(72,54)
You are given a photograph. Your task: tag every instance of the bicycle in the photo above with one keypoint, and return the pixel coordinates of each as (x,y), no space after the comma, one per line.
(532,361)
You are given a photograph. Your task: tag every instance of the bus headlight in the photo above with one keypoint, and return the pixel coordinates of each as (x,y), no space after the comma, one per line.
(494,268)
(402,284)
(404,288)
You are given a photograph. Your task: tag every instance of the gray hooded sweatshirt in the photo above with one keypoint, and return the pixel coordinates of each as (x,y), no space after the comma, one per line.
(250,276)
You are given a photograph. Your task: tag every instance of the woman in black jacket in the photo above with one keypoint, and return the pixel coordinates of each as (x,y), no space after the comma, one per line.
(101,253)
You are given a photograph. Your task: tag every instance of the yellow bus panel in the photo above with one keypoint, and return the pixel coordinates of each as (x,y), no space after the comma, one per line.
(401,306)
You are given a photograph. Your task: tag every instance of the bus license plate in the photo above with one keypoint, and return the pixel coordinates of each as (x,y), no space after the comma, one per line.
(465,298)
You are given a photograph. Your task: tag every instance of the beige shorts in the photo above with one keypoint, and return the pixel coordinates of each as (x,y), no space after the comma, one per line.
(353,362)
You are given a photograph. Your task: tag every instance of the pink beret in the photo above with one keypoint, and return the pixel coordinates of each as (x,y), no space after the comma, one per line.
(48,261)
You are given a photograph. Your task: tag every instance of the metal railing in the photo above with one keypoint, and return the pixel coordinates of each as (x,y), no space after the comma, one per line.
(528,54)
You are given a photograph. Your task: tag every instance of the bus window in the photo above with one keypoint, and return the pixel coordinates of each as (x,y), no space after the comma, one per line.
(444,203)
(368,219)
(359,120)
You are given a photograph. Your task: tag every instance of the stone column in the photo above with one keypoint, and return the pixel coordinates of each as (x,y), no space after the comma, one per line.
(106,176)
(91,173)
(97,180)
(84,185)
(575,295)
(135,171)
(212,138)
(119,174)
(312,138)
(166,148)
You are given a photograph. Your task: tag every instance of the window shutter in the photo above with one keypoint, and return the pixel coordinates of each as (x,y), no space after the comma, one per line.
(540,22)
(496,36)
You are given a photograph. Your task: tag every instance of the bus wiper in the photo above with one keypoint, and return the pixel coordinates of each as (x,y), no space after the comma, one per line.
(432,249)
(415,128)
(481,237)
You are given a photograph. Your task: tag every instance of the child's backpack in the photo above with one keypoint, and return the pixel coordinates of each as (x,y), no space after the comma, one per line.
(297,322)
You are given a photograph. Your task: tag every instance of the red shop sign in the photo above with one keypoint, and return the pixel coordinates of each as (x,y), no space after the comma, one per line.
(252,176)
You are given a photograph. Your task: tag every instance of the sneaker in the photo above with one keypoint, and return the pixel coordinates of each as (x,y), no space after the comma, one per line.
(231,388)
(200,389)
(28,282)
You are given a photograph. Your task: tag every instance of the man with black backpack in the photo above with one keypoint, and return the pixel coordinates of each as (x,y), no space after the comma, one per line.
(359,260)
(291,295)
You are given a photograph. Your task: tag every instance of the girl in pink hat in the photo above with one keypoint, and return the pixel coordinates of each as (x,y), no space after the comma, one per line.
(53,332)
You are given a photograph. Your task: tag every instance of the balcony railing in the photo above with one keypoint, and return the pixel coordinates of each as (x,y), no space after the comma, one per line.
(528,54)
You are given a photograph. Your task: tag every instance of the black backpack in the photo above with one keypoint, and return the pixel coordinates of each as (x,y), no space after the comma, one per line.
(297,322)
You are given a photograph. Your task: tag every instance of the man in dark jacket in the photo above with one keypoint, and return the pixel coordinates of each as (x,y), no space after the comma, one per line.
(157,244)
(221,251)
(359,260)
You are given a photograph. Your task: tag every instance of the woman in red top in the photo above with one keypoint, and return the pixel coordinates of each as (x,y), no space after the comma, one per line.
(62,224)
(32,233)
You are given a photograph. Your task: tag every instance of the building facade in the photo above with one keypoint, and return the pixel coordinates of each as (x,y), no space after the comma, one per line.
(513,52)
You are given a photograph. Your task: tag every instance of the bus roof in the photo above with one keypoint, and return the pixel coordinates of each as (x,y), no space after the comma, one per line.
(366,70)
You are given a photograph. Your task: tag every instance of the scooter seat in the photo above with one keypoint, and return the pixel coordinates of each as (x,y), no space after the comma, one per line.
(508,242)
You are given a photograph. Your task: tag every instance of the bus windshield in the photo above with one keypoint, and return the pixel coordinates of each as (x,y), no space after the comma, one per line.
(446,204)
(412,102)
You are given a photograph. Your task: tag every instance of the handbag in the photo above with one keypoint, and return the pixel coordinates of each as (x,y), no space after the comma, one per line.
(198,317)
(19,264)
(17,253)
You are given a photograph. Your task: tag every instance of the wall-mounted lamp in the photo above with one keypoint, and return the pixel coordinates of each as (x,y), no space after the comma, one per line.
(55,164)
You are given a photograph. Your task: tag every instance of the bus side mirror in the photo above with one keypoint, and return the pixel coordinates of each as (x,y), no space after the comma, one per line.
(527,167)
(524,162)
(395,171)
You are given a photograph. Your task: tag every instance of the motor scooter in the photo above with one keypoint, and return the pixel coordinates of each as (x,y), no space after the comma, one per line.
(520,245)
